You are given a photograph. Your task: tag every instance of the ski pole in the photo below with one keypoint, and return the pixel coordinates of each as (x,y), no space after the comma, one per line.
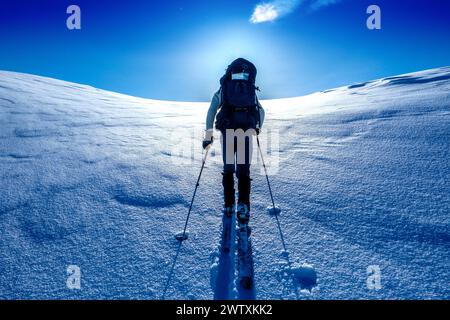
(276,214)
(271,195)
(183,236)
(265,170)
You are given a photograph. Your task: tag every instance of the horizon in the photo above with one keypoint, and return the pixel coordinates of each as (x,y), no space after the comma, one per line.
(207,101)
(177,51)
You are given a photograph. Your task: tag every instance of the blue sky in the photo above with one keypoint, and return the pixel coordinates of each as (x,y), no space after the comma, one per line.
(177,50)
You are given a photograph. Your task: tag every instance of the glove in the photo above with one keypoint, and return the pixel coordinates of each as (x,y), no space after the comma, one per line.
(206,143)
(209,138)
(258,130)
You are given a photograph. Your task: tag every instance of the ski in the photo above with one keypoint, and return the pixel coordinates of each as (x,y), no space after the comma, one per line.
(245,260)
(225,273)
(227,223)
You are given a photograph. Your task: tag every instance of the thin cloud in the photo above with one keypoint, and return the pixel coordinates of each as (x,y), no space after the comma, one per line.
(265,12)
(317,4)
(271,11)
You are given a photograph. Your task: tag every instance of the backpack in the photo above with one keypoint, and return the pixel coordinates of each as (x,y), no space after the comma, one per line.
(239,109)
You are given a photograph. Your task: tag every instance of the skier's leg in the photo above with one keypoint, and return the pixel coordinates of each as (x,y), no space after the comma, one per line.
(244,184)
(228,177)
(228,188)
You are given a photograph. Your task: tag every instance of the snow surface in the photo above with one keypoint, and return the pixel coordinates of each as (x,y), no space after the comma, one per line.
(104,181)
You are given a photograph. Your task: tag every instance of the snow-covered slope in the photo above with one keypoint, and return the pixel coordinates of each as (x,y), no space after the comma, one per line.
(103,181)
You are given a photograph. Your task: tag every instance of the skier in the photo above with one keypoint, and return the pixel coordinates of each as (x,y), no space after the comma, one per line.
(239,117)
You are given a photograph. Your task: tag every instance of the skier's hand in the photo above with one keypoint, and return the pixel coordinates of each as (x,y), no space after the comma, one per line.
(258,130)
(206,143)
(209,138)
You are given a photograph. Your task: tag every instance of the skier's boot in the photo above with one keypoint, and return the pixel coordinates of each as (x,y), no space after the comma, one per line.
(243,213)
(228,193)
(229,211)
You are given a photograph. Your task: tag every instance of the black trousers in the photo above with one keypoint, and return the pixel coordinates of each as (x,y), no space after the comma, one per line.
(237,154)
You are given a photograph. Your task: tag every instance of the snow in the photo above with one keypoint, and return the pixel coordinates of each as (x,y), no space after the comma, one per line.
(273,210)
(305,275)
(103,181)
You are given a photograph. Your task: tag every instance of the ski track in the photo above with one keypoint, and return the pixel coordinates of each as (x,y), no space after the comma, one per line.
(224,284)
(243,293)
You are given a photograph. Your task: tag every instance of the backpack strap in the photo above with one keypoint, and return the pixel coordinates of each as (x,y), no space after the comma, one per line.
(221,97)
(257,110)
